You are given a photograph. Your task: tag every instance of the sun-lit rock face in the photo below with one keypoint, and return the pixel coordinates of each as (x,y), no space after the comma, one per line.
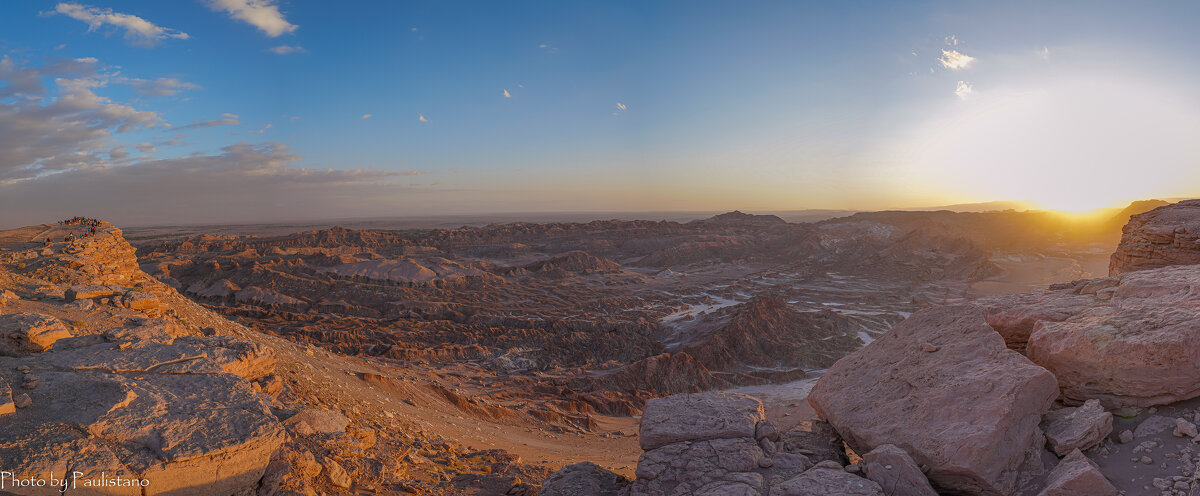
(100,378)
(1167,235)
(1136,344)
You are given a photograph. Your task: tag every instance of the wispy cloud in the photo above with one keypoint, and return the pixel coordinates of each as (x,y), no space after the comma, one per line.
(262,14)
(366,116)
(421,118)
(622,107)
(157,87)
(506,94)
(286,49)
(225,120)
(964,89)
(952,40)
(952,59)
(239,178)
(137,30)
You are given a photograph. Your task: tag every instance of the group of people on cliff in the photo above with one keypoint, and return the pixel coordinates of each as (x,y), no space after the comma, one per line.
(91,225)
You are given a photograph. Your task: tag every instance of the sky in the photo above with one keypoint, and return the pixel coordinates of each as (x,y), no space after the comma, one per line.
(238,111)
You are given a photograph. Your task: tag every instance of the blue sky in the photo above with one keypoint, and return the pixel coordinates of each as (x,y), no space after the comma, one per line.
(586,106)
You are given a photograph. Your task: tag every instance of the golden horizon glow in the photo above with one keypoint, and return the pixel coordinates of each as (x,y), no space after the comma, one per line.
(1075,145)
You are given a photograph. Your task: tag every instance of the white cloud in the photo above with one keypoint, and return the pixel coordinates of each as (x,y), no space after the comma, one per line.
(622,107)
(506,94)
(87,60)
(421,118)
(952,59)
(964,89)
(1044,53)
(286,49)
(262,14)
(72,127)
(225,120)
(137,30)
(366,116)
(952,40)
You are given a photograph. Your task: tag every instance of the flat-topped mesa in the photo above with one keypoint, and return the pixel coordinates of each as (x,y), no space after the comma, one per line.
(1168,235)
(737,216)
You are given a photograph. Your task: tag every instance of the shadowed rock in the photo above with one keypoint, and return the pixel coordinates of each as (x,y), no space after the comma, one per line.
(1082,428)
(584,478)
(969,410)
(1076,475)
(827,479)
(896,472)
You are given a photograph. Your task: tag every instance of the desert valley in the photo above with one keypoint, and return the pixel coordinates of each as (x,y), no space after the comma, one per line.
(484,360)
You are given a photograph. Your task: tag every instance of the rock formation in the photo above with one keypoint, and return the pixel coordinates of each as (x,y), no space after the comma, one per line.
(766,333)
(896,472)
(721,444)
(1076,475)
(1167,235)
(943,386)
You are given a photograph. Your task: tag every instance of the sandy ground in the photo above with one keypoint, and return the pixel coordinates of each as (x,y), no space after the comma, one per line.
(1035,275)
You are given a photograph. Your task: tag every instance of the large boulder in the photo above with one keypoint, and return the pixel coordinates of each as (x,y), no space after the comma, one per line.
(24,333)
(1076,475)
(699,417)
(1139,347)
(942,386)
(1167,235)
(1069,429)
(584,478)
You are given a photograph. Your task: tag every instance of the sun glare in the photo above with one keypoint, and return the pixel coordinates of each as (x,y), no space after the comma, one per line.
(1074,146)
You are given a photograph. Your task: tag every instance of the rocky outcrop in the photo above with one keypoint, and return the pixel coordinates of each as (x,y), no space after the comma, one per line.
(1069,429)
(942,386)
(578,262)
(661,374)
(1076,475)
(766,333)
(165,411)
(25,333)
(1136,344)
(1167,235)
